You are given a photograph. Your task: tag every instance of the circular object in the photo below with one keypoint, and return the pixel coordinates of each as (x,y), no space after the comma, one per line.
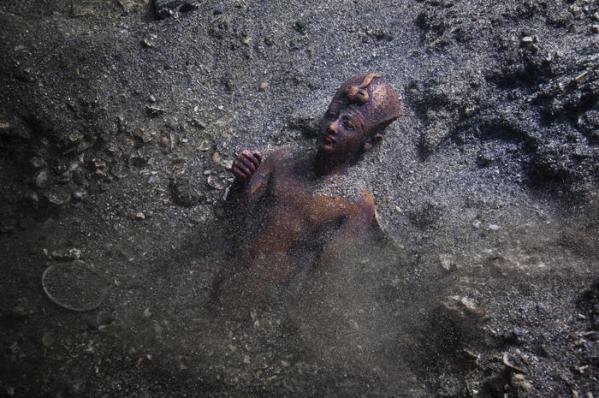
(74,286)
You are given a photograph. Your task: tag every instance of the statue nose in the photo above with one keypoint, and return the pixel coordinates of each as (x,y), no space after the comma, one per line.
(332,128)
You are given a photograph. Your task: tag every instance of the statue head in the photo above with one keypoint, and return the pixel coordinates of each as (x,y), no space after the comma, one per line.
(361,109)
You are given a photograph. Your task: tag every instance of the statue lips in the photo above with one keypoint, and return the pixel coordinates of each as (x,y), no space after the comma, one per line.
(328,141)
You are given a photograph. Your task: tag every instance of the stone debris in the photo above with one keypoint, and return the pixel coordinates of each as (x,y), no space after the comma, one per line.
(522,386)
(215,182)
(147,43)
(508,361)
(172,8)
(205,145)
(58,195)
(445,260)
(65,255)
(41,179)
(264,86)
(75,286)
(154,111)
(37,162)
(184,193)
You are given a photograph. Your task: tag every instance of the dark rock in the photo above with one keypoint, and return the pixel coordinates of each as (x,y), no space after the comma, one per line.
(540,307)
(514,336)
(184,193)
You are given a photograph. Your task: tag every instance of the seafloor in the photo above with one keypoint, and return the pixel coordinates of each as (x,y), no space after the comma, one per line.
(115,133)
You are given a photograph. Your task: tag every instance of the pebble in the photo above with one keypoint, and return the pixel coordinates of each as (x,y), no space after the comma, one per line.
(74,254)
(140,216)
(147,43)
(205,145)
(198,123)
(154,111)
(41,179)
(37,162)
(58,197)
(78,195)
(516,333)
(217,157)
(493,227)
(445,260)
(521,385)
(4,125)
(152,99)
(214,182)
(70,255)
(184,193)
(264,86)
(595,28)
(527,39)
(540,307)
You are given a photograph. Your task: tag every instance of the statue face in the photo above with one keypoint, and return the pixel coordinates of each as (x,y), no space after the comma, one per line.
(361,107)
(342,131)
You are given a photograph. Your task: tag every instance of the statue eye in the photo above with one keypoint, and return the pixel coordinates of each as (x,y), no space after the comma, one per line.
(348,124)
(331,115)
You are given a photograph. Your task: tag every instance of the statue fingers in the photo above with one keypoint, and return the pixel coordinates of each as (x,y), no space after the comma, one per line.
(239,173)
(248,164)
(241,166)
(255,161)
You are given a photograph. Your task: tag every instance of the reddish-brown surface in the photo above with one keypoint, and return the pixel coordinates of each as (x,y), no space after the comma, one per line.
(360,110)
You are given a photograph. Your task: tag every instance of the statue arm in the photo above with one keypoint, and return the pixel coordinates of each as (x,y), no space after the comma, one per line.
(252,176)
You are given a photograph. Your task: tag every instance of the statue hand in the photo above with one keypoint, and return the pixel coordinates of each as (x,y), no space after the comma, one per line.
(245,165)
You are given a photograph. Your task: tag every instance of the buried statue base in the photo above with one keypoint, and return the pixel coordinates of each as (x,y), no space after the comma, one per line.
(286,212)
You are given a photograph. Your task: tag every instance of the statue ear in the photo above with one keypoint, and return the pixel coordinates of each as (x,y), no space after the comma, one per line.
(372,141)
(376,138)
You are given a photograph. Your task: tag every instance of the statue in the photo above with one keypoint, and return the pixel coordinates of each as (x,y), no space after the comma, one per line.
(283,202)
